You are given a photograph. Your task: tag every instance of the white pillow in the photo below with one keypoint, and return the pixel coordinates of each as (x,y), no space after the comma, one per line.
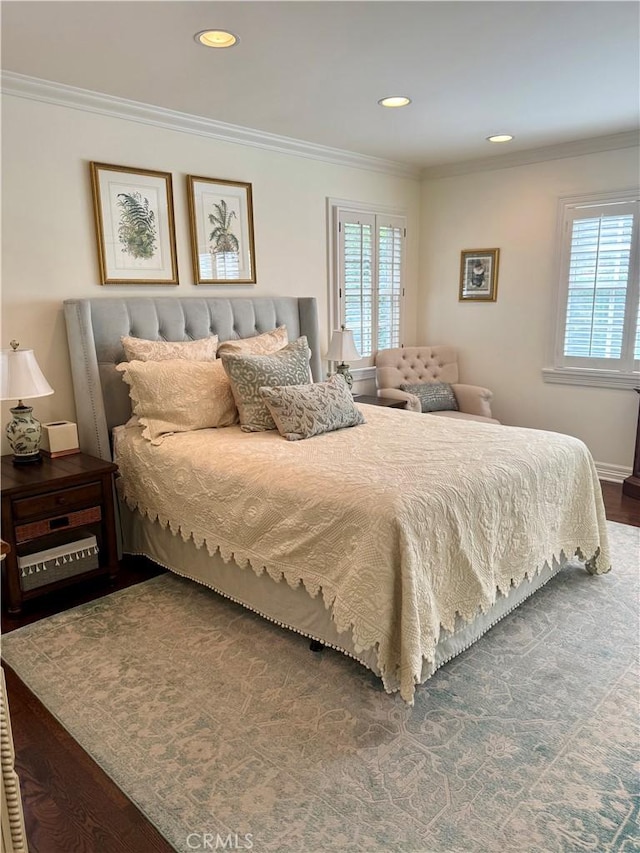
(264,344)
(178,396)
(140,349)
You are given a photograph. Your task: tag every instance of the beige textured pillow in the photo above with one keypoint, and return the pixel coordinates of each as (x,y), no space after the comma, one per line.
(139,349)
(264,344)
(178,396)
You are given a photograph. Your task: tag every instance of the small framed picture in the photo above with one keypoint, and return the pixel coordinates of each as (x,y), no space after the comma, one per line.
(479,275)
(135,227)
(221,220)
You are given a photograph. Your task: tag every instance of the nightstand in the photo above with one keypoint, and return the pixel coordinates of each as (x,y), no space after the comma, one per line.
(58,519)
(389,402)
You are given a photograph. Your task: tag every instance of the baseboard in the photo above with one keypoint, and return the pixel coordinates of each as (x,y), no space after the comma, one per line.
(612,473)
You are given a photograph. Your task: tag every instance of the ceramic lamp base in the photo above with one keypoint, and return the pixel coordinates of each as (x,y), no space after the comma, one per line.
(343,370)
(31,459)
(23,434)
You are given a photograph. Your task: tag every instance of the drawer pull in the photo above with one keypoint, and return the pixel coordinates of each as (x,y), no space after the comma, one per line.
(57,523)
(60,500)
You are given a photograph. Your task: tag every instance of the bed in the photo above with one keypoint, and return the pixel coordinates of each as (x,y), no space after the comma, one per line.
(398,542)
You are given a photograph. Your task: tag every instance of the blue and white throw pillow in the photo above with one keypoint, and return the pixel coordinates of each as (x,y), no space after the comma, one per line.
(249,373)
(433,396)
(302,411)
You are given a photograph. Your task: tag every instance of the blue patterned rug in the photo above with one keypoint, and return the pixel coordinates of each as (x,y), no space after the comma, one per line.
(229,734)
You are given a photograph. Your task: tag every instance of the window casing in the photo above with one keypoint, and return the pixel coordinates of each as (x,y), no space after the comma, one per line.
(368,281)
(597,335)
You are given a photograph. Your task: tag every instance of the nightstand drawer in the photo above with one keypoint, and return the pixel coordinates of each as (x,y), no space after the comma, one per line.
(57,502)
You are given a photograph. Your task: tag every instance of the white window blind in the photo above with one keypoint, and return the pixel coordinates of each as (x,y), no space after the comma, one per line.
(370,267)
(390,253)
(357,292)
(598,281)
(598,334)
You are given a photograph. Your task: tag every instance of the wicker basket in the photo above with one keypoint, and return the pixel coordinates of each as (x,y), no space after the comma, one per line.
(36,529)
(54,564)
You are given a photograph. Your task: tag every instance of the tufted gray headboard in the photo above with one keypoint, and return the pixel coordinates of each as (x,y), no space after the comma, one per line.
(95,326)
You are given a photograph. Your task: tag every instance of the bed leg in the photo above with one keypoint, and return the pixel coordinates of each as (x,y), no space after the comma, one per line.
(316,646)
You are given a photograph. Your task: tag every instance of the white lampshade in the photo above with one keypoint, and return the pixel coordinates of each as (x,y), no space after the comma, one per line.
(342,347)
(21,377)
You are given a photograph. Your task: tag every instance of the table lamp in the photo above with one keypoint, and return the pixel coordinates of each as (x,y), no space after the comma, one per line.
(21,379)
(343,350)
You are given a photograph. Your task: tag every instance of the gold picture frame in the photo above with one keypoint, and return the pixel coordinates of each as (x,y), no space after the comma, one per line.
(221,223)
(135,225)
(479,275)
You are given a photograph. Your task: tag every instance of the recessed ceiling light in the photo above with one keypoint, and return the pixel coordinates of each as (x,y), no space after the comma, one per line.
(500,137)
(216,38)
(395,101)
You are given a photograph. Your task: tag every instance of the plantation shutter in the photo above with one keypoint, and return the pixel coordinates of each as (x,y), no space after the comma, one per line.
(600,274)
(371,279)
(357,253)
(598,280)
(390,264)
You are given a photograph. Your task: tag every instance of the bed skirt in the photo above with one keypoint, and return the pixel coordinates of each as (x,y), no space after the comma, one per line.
(295,609)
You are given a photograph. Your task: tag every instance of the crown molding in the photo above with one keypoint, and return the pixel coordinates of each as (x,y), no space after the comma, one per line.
(36,89)
(628,139)
(60,94)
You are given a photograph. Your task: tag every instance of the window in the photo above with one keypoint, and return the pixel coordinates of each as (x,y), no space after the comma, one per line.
(368,249)
(598,326)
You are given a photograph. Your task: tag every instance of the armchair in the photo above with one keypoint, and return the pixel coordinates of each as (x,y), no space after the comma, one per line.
(408,365)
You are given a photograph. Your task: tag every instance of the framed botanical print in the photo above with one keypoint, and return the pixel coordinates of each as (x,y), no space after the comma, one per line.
(135,227)
(221,220)
(479,275)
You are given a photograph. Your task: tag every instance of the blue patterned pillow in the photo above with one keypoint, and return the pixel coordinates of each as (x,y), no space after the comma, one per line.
(248,373)
(302,411)
(433,396)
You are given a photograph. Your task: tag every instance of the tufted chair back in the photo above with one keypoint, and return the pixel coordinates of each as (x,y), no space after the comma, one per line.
(416,364)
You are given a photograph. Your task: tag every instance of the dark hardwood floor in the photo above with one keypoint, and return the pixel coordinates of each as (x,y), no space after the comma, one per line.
(133,570)
(70,804)
(619,507)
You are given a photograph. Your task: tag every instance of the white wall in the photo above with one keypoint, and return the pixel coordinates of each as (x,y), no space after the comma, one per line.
(49,246)
(504,345)
(49,251)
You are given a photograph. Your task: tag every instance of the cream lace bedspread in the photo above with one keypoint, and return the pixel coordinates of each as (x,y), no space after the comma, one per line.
(400,523)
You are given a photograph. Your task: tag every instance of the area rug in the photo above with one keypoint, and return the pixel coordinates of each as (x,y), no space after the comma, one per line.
(228,733)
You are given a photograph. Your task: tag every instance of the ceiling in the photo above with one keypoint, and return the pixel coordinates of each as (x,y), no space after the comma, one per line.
(546,72)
